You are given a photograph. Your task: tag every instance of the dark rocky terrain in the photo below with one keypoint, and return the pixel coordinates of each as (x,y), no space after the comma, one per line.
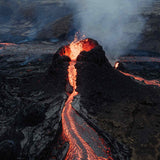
(150,37)
(23,21)
(32,96)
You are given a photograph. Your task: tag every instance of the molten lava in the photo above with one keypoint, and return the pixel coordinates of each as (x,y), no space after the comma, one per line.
(116,65)
(76,47)
(6,44)
(84,142)
(147,82)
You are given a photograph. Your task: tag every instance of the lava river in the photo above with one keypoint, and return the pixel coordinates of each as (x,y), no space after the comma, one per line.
(145,81)
(84,141)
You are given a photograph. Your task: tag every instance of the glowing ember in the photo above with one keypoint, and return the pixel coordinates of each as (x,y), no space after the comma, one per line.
(116,65)
(84,142)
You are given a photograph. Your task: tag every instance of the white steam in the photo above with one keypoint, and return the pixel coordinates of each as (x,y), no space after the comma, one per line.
(116,24)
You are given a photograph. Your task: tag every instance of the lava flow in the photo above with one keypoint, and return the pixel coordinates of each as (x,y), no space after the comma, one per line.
(84,141)
(6,44)
(148,82)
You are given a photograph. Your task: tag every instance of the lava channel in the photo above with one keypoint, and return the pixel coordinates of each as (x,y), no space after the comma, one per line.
(84,141)
(145,81)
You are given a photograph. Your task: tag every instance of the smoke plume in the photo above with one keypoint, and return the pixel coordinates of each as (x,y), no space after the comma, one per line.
(116,24)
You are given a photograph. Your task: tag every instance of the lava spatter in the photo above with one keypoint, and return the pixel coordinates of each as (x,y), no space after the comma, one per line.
(84,141)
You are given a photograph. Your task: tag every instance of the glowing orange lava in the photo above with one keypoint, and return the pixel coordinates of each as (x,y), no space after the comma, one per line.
(116,65)
(147,82)
(78,147)
(76,47)
(6,44)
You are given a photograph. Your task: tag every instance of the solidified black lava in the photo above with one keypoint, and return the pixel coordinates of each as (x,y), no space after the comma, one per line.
(57,73)
(31,100)
(96,55)
(8,150)
(31,115)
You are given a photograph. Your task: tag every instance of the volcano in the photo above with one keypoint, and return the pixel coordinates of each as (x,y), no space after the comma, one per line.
(99,87)
(73,105)
(125,108)
(75,130)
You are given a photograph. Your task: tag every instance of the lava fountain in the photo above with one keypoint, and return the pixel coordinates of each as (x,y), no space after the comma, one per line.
(84,141)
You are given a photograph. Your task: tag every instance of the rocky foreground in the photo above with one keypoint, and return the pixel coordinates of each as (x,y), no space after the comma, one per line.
(32,96)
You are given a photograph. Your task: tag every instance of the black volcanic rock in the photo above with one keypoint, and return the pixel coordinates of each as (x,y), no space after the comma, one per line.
(92,57)
(8,150)
(31,115)
(126,109)
(32,96)
(69,88)
(56,76)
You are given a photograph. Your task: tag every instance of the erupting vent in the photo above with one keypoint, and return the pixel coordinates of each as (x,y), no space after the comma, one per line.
(76,47)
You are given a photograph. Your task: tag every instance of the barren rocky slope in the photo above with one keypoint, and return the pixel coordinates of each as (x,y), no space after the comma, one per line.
(32,95)
(150,38)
